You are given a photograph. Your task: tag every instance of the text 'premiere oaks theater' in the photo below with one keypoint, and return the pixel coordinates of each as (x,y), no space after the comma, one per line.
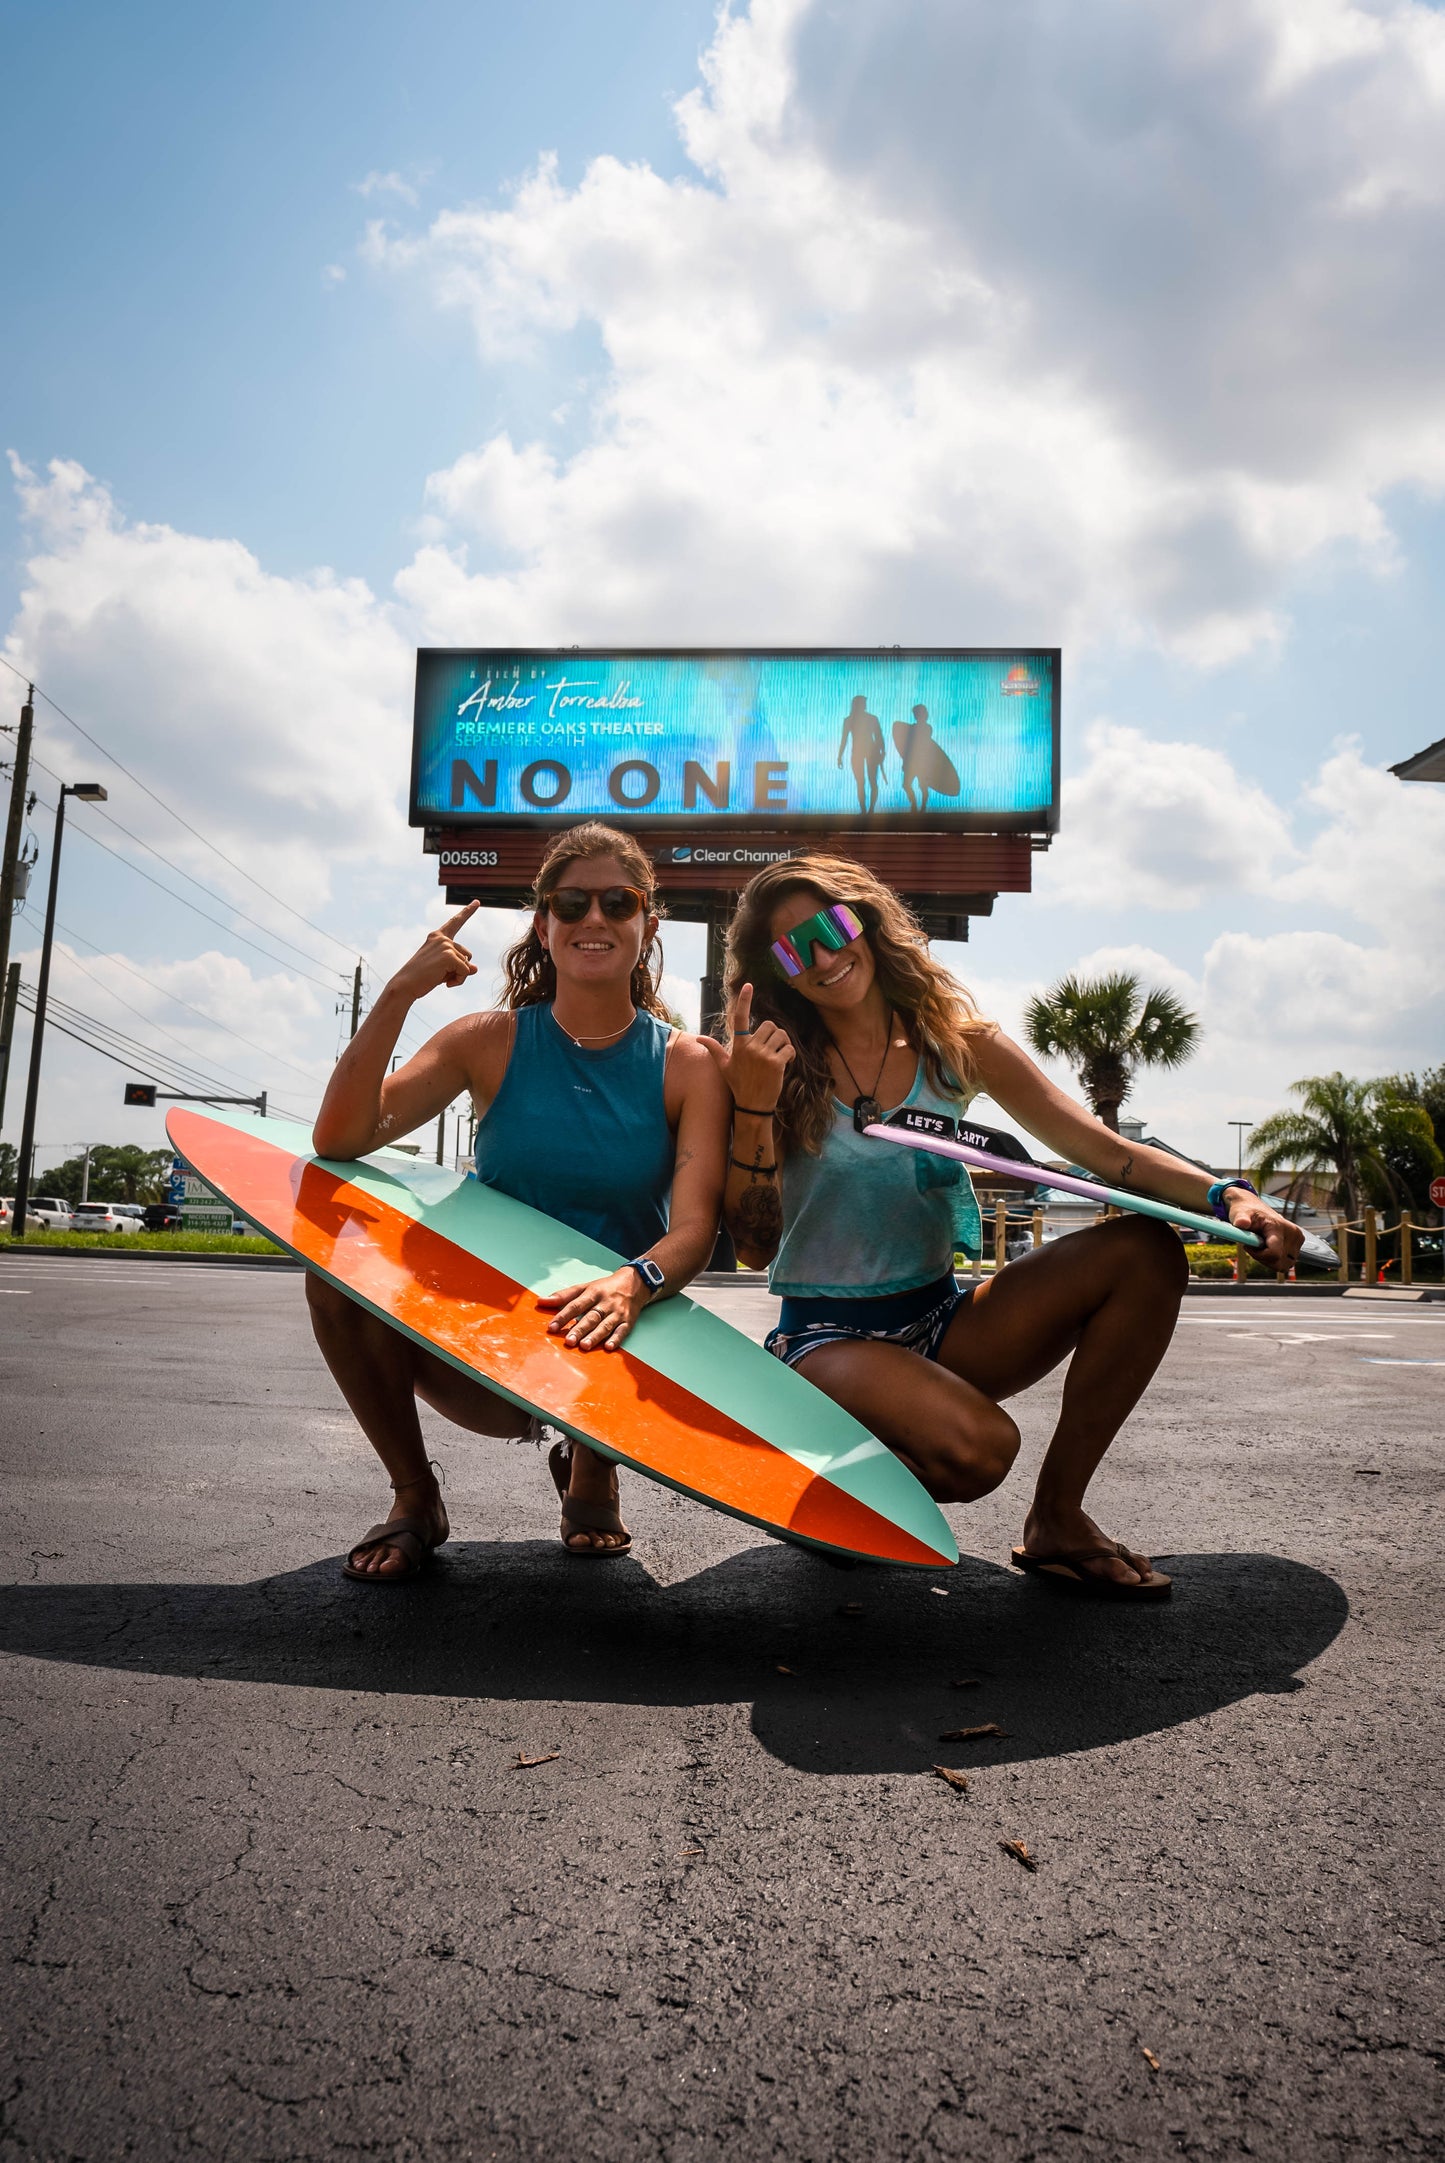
(937,768)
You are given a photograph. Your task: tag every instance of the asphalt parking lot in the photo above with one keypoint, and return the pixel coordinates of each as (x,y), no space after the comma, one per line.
(277,1891)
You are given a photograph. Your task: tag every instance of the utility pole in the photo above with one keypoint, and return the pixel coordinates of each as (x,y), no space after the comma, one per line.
(1241,1128)
(89,792)
(7,1028)
(19,783)
(356,1000)
(85,1175)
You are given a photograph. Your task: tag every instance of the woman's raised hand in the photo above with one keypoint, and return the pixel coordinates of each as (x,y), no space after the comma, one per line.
(754,1060)
(440,959)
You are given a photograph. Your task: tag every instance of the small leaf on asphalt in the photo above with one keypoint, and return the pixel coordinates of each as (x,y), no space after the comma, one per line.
(972,1734)
(521,1761)
(954,1779)
(965,1682)
(1150,2056)
(1019,1853)
(786,1670)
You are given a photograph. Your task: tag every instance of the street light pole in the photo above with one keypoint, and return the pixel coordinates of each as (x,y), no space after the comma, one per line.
(89,792)
(14,826)
(1241,1128)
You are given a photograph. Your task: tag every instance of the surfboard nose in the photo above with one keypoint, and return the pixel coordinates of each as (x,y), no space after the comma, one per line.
(827,1514)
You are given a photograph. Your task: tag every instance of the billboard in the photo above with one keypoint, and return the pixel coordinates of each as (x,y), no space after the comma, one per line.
(862,738)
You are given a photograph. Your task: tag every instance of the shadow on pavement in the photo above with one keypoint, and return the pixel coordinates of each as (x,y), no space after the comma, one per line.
(869,1692)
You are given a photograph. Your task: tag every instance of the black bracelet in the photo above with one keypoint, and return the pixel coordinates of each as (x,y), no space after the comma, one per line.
(767,1170)
(753,1112)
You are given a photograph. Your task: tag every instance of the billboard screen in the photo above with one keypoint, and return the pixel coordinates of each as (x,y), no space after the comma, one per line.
(867,737)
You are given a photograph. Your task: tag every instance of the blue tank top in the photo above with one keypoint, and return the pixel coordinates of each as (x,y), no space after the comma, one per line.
(583,1135)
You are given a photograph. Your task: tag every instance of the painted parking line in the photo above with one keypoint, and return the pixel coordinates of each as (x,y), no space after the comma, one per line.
(1371,1359)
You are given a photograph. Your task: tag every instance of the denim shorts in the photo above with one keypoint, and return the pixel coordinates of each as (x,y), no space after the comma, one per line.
(917,1320)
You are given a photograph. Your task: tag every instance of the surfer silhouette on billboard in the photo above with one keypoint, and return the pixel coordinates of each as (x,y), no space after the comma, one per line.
(926,765)
(869,751)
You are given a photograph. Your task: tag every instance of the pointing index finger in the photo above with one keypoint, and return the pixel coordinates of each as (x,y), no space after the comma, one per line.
(742,1014)
(454,924)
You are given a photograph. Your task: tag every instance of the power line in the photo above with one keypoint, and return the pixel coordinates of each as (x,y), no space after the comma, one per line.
(186,903)
(76,962)
(224,899)
(169,809)
(137,1058)
(174,997)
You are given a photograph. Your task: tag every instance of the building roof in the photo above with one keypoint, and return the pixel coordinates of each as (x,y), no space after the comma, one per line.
(1426,765)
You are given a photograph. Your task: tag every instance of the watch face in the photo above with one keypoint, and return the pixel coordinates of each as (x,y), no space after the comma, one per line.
(651,1273)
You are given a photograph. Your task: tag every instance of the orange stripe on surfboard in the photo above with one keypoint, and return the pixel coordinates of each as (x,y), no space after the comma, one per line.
(494,1325)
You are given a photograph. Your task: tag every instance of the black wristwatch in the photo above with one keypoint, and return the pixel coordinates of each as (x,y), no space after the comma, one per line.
(653,1277)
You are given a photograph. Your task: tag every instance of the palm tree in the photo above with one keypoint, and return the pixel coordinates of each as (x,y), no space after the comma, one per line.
(1359,1130)
(1106,1027)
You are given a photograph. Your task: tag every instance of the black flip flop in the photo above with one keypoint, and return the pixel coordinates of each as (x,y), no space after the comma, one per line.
(584,1516)
(1062,1570)
(409,1535)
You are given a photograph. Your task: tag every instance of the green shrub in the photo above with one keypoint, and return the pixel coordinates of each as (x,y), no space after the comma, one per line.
(1212,1261)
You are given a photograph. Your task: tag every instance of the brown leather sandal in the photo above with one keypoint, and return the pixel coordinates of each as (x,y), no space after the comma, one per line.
(1062,1570)
(412,1539)
(584,1516)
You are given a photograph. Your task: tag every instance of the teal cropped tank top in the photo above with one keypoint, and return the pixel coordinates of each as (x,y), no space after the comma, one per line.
(862,1220)
(583,1135)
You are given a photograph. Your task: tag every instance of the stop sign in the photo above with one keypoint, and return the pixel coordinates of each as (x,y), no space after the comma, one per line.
(1437,1193)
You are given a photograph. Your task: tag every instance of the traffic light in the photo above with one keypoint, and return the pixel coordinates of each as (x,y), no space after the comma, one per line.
(140,1093)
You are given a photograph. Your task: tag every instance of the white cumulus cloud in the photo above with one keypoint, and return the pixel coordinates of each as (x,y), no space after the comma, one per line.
(968,321)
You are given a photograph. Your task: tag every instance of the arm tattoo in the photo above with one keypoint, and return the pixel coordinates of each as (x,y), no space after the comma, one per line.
(1128,1166)
(759,1215)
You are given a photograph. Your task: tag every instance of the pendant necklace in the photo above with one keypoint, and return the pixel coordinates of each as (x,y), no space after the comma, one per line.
(867,1111)
(579,1041)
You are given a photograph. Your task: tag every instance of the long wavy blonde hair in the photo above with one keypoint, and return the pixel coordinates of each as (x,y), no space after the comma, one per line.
(941,1020)
(528,968)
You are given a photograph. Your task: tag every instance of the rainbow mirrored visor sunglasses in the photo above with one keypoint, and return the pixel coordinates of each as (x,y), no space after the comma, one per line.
(834,927)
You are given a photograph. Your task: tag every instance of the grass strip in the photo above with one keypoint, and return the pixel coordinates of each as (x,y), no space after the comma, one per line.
(154,1242)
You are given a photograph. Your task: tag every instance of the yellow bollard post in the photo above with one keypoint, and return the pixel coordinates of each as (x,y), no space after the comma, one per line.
(1369,1276)
(1038,1227)
(1000,1235)
(1407,1259)
(1342,1245)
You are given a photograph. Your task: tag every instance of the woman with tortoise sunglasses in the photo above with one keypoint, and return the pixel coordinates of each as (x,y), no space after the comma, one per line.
(592,1107)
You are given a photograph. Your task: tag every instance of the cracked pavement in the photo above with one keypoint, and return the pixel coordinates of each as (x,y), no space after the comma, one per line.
(277,1890)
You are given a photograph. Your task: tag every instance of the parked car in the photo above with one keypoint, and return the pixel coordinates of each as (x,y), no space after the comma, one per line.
(132,1210)
(100,1217)
(160,1217)
(47,1211)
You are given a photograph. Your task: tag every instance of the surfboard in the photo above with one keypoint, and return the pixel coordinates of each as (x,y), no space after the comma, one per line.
(459,1268)
(925,763)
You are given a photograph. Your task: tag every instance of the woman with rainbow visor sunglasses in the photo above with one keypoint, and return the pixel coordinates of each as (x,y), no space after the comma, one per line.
(831,928)
(839,1015)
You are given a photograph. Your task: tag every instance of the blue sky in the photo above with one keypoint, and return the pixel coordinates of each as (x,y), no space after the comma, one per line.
(166,244)
(355,327)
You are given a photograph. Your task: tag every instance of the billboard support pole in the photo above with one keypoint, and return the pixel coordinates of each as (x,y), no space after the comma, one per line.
(712,1013)
(711,1019)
